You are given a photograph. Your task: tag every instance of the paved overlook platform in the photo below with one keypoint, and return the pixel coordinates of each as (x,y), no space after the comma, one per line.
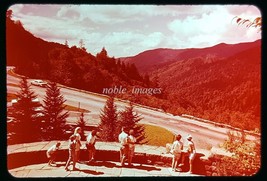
(29,160)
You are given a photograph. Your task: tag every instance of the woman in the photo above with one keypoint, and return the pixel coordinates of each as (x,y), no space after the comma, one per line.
(77,132)
(72,155)
(90,145)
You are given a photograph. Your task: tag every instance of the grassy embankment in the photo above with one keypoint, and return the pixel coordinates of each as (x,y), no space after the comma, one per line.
(158,136)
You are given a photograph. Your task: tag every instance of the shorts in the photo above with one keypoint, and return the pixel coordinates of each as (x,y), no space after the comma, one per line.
(192,156)
(176,156)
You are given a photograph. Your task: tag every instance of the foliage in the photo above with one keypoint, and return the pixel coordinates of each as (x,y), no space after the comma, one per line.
(81,124)
(256,23)
(54,126)
(129,120)
(109,121)
(226,90)
(245,159)
(25,126)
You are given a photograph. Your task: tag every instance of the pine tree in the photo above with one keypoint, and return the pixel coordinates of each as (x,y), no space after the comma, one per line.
(129,120)
(81,124)
(25,126)
(109,121)
(55,126)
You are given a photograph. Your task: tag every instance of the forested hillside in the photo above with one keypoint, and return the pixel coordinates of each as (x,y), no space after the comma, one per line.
(71,66)
(226,90)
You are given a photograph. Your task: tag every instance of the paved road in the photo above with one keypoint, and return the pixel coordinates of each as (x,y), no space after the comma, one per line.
(205,135)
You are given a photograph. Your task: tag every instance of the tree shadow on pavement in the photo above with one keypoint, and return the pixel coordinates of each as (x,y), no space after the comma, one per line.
(146,167)
(91,172)
(60,164)
(104,163)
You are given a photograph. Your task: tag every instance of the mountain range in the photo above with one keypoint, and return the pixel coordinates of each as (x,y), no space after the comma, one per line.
(221,83)
(149,60)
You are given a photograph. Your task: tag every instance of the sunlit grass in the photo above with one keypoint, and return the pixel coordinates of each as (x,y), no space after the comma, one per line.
(158,136)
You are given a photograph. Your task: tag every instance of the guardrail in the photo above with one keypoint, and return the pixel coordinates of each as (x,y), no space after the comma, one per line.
(221,125)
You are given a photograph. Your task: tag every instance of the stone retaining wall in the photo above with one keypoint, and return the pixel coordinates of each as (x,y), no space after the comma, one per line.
(34,153)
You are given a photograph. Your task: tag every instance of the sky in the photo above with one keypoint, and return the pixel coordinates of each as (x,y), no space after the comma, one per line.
(127,30)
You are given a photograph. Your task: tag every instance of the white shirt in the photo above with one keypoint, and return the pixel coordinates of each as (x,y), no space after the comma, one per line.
(51,150)
(123,138)
(132,141)
(91,139)
(177,147)
(78,141)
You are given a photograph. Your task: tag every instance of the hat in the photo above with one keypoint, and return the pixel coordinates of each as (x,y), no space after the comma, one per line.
(189,137)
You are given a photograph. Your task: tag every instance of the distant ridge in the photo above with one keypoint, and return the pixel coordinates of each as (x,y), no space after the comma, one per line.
(149,60)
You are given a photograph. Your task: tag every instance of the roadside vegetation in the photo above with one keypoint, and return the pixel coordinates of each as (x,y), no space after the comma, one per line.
(158,136)
(245,159)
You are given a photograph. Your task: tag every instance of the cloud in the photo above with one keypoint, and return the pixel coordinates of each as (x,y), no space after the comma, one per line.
(126,30)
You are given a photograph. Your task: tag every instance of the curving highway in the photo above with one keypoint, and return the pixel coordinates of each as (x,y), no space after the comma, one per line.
(205,135)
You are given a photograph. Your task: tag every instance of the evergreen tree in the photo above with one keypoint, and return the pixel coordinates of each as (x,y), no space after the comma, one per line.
(81,124)
(129,120)
(25,126)
(109,121)
(55,126)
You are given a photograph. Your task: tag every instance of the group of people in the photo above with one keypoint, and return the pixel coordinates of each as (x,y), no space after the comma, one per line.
(127,147)
(179,153)
(75,146)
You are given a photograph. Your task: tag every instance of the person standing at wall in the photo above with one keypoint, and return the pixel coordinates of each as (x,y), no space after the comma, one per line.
(123,145)
(131,142)
(90,145)
(192,152)
(77,132)
(176,150)
(72,155)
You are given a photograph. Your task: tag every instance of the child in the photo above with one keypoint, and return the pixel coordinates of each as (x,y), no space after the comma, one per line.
(51,153)
(176,150)
(72,155)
